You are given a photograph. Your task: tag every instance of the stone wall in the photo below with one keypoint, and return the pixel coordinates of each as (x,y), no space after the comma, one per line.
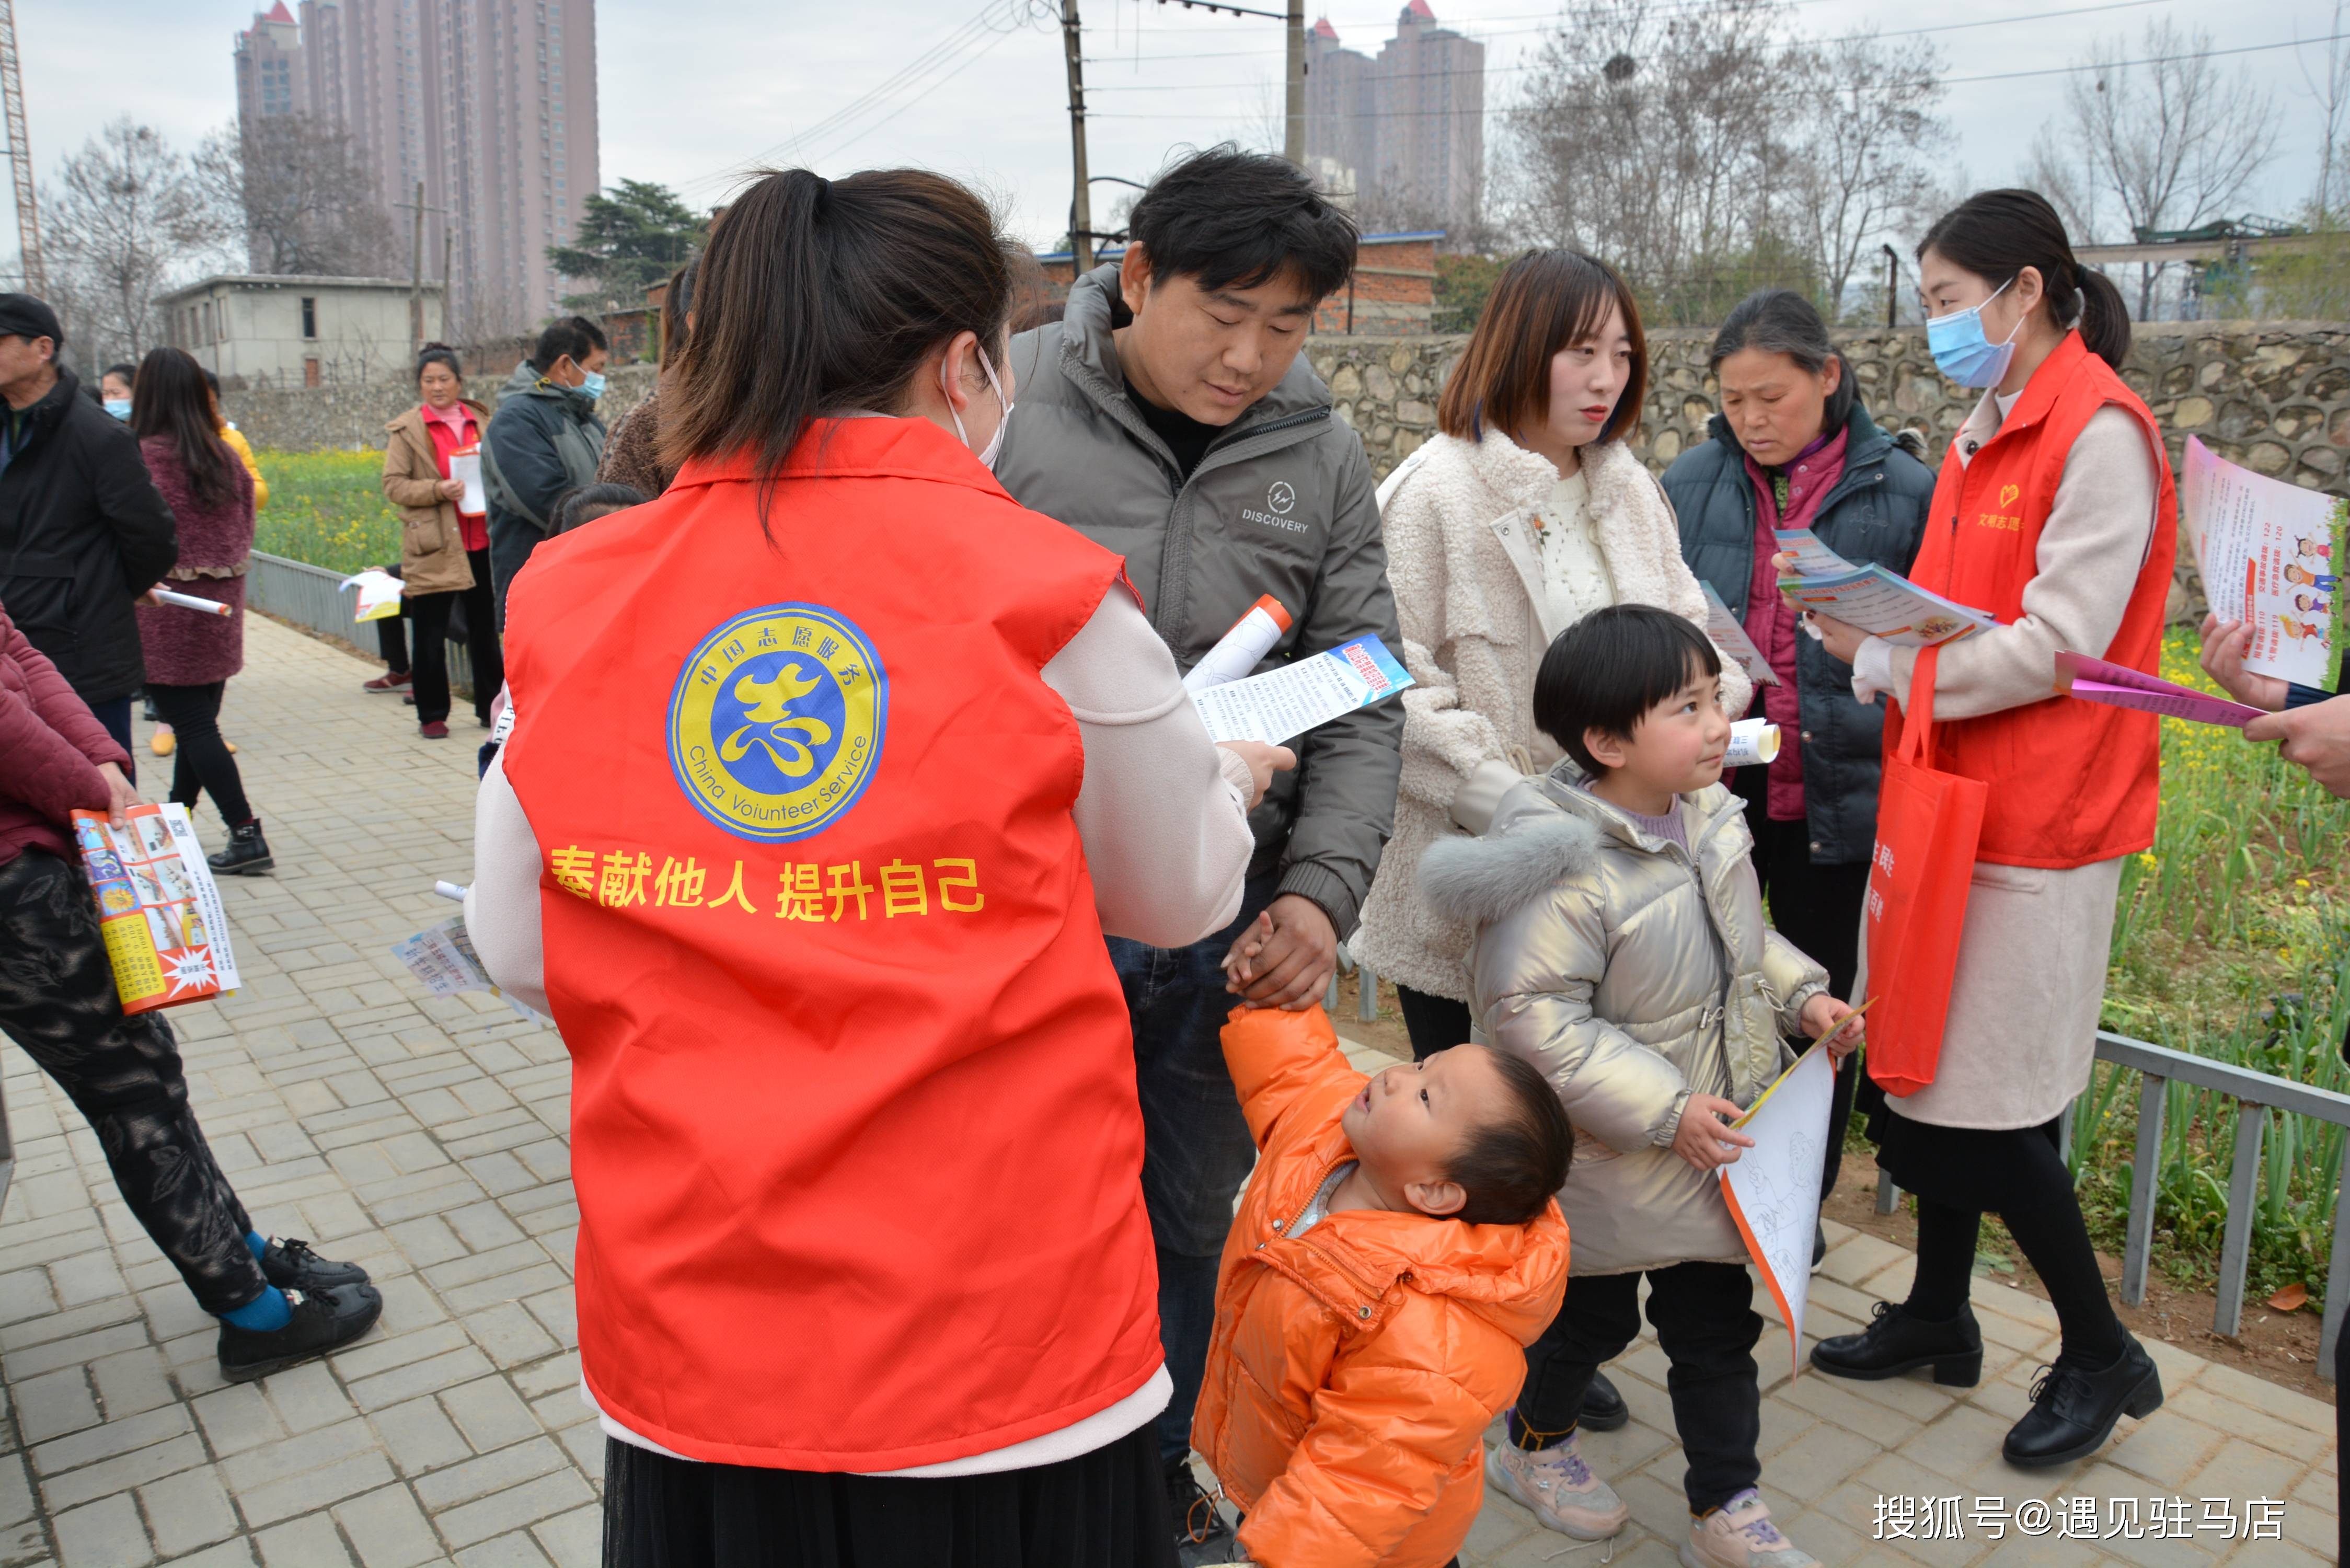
(320,419)
(2272,395)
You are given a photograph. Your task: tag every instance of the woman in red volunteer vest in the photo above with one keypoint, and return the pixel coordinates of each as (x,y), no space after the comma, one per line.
(2053,512)
(830,769)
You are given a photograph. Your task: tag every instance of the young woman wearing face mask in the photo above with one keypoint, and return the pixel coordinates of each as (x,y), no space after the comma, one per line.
(880,758)
(2054,512)
(1793,448)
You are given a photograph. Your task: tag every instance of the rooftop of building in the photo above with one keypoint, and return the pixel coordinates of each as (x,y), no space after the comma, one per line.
(293,280)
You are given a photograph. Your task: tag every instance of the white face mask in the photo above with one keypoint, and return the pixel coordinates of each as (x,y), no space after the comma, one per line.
(995,442)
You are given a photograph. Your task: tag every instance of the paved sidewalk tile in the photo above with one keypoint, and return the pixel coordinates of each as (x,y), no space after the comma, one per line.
(427,1138)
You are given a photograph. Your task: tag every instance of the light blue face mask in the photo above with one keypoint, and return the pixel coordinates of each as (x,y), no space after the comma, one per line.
(120,408)
(1962,353)
(594,385)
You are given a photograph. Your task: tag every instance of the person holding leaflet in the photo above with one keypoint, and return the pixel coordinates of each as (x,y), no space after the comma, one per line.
(1169,416)
(865,1267)
(444,550)
(2054,511)
(1619,945)
(1795,448)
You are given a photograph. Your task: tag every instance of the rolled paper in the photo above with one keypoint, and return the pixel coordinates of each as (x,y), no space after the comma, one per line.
(190,601)
(1237,652)
(1751,741)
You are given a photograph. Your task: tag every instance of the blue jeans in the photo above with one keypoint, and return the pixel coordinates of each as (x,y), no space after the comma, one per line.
(1196,1148)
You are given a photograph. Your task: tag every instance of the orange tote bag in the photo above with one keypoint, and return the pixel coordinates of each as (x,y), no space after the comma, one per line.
(1927,824)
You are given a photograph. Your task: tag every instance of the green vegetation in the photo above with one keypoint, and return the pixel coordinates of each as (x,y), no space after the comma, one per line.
(328,508)
(2232,942)
(630,237)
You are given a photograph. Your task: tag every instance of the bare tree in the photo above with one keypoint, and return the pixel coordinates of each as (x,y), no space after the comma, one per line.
(1644,133)
(127,218)
(2331,91)
(293,185)
(1862,166)
(2173,140)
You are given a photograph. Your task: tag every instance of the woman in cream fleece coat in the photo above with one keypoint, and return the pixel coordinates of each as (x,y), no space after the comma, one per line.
(1526,514)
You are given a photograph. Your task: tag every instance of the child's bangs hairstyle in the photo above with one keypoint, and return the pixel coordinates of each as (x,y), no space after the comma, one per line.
(1546,301)
(1607,670)
(1512,1165)
(1229,219)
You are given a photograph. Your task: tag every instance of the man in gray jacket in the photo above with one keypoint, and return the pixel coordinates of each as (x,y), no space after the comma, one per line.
(1170,417)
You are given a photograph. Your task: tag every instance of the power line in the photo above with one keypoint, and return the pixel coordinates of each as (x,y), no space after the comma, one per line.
(1501,71)
(936,64)
(1945,81)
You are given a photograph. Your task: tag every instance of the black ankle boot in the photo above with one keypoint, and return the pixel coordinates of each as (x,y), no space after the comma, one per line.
(246,855)
(1895,1343)
(2074,1409)
(289,1263)
(1604,1410)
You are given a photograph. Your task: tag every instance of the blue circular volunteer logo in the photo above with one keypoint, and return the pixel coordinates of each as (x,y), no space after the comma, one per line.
(777,723)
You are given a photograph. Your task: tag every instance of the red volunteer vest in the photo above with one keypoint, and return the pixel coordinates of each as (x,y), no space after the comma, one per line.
(854,1126)
(2071,783)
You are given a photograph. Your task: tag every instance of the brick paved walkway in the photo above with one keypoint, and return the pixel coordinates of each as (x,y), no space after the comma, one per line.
(425,1139)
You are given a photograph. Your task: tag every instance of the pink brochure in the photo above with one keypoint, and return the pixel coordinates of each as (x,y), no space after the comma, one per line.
(2118,686)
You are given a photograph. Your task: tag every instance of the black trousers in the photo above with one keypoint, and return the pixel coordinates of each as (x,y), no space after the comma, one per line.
(1106,1509)
(391,640)
(1817,908)
(57,1001)
(432,612)
(1958,1173)
(1707,1325)
(1434,1023)
(200,762)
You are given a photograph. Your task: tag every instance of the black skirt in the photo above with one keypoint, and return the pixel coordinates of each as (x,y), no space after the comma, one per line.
(1106,1509)
(1982,1169)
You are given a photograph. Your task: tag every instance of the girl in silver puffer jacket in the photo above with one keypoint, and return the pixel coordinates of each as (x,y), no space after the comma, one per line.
(1620,947)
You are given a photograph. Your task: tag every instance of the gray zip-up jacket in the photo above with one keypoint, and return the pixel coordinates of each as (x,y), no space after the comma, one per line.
(1634,973)
(1282,505)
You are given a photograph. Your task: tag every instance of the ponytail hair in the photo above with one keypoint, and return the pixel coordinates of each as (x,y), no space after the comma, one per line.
(821,296)
(1995,234)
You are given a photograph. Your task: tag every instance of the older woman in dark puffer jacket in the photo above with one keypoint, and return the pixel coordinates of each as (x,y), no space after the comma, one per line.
(190,654)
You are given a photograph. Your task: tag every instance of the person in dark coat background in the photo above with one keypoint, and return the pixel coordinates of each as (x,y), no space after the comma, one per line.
(544,440)
(1793,445)
(83,532)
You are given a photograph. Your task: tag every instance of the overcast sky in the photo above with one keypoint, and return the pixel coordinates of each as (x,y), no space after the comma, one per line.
(691,93)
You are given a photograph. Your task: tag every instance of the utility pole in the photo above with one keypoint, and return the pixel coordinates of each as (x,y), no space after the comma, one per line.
(448,240)
(1293,133)
(1081,205)
(1892,284)
(20,154)
(416,277)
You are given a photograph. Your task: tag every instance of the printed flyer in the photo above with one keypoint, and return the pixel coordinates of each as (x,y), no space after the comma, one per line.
(2270,554)
(158,907)
(1281,704)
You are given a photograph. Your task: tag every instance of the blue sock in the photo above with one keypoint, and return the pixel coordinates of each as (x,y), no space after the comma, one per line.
(270,1310)
(256,1244)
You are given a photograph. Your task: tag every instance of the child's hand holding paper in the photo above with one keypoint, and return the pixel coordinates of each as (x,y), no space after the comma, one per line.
(1705,1137)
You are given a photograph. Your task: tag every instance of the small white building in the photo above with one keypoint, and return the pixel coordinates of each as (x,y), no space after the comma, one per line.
(290,331)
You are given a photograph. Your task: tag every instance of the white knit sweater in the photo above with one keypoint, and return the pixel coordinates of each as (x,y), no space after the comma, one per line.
(1475,612)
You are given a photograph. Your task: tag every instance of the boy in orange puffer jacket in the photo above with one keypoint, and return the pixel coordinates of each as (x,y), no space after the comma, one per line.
(1396,1250)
